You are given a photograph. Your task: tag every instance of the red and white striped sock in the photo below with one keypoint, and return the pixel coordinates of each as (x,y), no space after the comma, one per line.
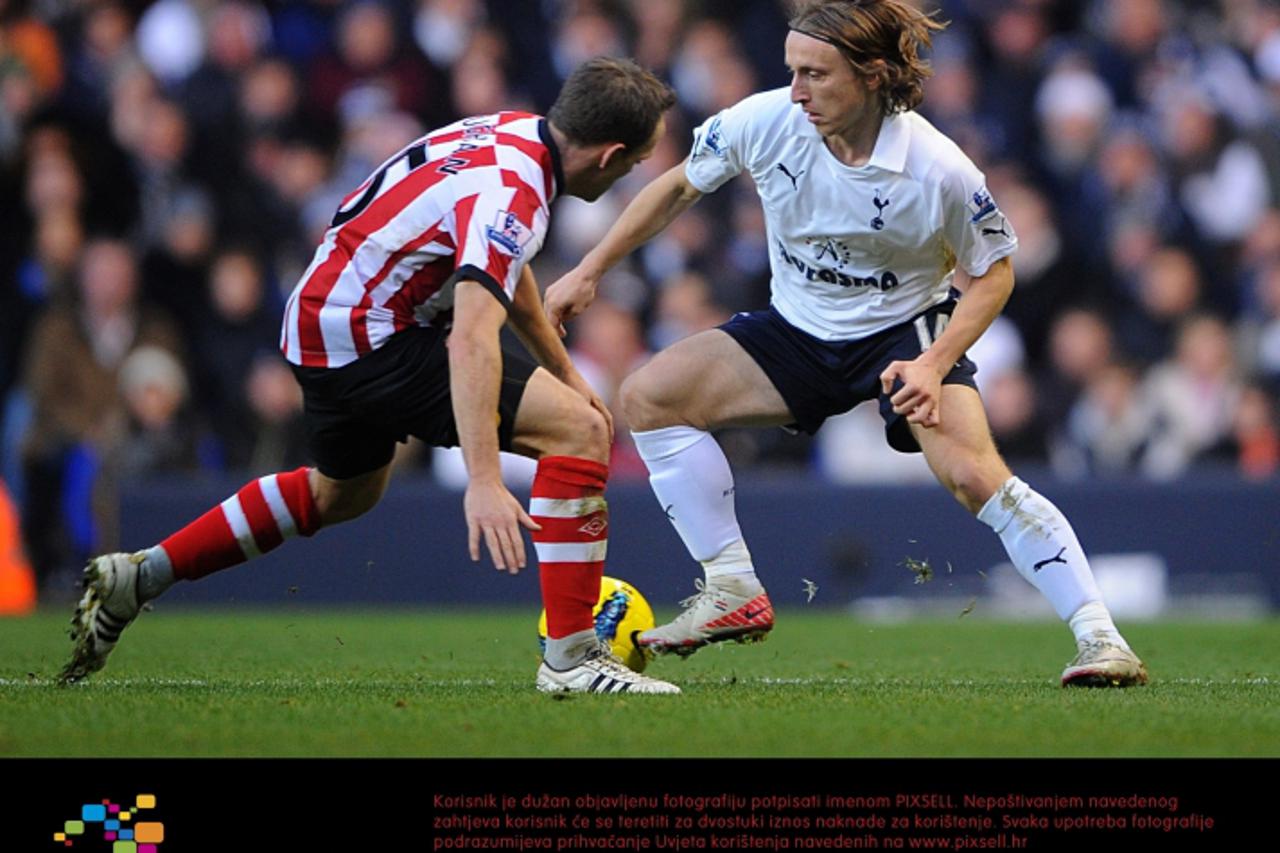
(568,501)
(253,521)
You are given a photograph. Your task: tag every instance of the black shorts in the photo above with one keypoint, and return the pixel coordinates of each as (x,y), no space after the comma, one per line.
(356,413)
(818,379)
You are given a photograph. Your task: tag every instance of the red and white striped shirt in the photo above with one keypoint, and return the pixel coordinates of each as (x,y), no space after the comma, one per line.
(467,201)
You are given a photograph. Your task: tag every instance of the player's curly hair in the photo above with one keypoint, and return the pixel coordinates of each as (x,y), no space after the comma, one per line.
(880,38)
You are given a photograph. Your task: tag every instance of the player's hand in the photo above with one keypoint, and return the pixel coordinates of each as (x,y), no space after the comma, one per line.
(571,294)
(920,397)
(495,515)
(575,381)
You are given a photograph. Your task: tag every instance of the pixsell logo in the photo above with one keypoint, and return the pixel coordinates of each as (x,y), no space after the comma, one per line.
(114,827)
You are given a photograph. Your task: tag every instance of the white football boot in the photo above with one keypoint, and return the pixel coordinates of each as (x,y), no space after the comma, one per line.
(722,609)
(1101,662)
(110,602)
(600,672)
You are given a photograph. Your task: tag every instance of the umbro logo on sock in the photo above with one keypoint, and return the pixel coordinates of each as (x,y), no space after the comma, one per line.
(1054,559)
(667,511)
(594,527)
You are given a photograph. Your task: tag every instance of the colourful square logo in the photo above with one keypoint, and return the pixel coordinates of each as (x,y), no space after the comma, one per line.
(149,833)
(119,832)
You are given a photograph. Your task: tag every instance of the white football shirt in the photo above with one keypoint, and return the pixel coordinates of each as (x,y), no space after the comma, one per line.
(854,250)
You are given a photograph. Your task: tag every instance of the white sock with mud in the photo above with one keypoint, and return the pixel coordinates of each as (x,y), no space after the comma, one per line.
(1094,618)
(155,574)
(1045,551)
(731,570)
(691,478)
(567,652)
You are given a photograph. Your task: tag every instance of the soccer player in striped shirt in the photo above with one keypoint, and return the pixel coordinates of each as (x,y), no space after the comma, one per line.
(393,331)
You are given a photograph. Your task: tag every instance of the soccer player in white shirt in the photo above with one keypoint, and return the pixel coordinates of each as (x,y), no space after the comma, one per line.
(394,331)
(870,212)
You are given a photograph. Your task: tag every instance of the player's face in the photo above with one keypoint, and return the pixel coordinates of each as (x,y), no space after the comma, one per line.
(623,163)
(824,84)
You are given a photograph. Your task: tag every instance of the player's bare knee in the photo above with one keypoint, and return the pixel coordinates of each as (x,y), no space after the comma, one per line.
(580,431)
(639,401)
(632,401)
(337,508)
(973,482)
(595,436)
(342,500)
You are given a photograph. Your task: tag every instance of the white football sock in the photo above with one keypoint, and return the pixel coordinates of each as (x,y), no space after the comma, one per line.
(1043,548)
(693,483)
(1093,618)
(732,570)
(155,574)
(567,652)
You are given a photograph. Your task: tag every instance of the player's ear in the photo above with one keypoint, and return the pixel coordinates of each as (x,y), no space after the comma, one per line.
(877,74)
(609,153)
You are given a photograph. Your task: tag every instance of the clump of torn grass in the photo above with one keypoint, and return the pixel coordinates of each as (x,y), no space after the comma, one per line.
(920,568)
(810,589)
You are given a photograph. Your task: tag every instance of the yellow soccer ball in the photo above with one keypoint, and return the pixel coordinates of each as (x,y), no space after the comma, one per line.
(620,614)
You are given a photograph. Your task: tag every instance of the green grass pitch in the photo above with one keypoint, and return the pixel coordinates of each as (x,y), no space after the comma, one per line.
(460,683)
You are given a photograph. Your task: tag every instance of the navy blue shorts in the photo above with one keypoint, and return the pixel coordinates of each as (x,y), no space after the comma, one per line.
(356,413)
(818,379)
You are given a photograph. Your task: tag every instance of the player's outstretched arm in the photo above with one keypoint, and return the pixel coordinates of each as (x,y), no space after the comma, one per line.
(475,376)
(652,210)
(921,390)
(540,338)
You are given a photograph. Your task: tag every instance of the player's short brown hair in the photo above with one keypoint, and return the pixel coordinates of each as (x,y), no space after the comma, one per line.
(880,38)
(610,100)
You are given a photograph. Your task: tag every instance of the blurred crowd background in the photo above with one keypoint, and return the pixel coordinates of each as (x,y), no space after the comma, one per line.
(167,169)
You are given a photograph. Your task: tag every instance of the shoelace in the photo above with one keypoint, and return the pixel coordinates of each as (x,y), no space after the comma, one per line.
(605,657)
(1091,647)
(700,585)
